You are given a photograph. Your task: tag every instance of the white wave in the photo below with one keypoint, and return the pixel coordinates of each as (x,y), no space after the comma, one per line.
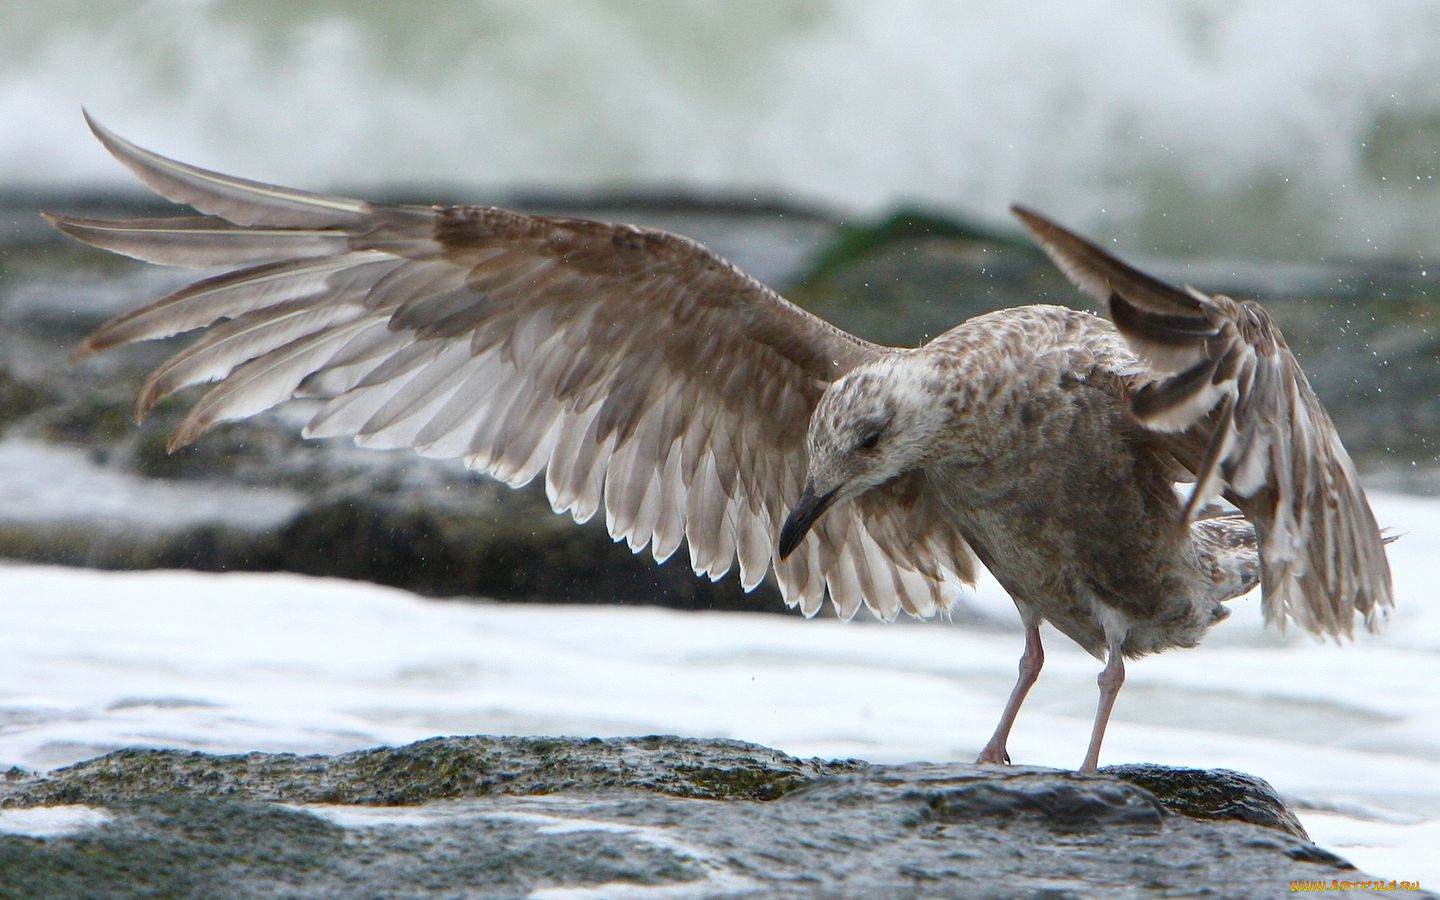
(1285,128)
(51,821)
(91,662)
(45,484)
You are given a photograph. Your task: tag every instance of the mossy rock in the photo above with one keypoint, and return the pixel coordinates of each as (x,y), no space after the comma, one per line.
(1221,794)
(436,769)
(853,242)
(510,816)
(906,291)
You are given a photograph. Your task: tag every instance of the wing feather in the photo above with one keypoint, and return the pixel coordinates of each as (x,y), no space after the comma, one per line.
(199,241)
(639,372)
(1232,404)
(237,200)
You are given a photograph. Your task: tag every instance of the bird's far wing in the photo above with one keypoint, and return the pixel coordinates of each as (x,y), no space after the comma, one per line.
(637,370)
(1225,385)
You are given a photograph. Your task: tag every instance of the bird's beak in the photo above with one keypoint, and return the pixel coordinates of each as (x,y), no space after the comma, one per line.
(807,509)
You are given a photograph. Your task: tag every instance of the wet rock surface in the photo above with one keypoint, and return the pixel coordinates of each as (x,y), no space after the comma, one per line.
(502,816)
(1368,336)
(438,769)
(1213,794)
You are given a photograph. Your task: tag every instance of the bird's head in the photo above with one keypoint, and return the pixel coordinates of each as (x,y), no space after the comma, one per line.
(876,422)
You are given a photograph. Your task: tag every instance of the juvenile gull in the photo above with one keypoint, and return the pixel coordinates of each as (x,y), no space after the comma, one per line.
(640,372)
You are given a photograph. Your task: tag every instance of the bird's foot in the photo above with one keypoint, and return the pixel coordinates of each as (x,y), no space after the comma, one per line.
(993,755)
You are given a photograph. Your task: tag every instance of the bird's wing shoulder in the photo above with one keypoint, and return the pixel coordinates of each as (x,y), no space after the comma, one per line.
(1229,398)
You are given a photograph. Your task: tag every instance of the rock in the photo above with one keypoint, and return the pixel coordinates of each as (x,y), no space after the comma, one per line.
(1213,794)
(853,243)
(436,769)
(508,816)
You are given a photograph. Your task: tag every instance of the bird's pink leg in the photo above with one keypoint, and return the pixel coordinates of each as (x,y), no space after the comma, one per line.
(1031,662)
(1110,679)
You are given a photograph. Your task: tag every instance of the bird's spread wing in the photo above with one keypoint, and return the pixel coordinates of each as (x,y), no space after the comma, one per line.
(638,371)
(1226,387)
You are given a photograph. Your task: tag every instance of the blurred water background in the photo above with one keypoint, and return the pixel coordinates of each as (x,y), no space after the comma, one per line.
(1278,129)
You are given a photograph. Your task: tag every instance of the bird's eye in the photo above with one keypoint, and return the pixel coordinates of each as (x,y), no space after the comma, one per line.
(869,441)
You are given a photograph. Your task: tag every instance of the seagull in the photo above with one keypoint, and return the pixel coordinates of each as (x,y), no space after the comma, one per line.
(642,374)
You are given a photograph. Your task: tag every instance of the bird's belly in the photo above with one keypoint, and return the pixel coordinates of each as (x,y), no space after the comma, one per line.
(1086,550)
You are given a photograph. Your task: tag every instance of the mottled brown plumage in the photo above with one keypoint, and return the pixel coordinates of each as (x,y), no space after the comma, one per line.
(644,375)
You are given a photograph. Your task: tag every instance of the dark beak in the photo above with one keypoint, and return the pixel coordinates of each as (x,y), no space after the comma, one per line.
(807,509)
